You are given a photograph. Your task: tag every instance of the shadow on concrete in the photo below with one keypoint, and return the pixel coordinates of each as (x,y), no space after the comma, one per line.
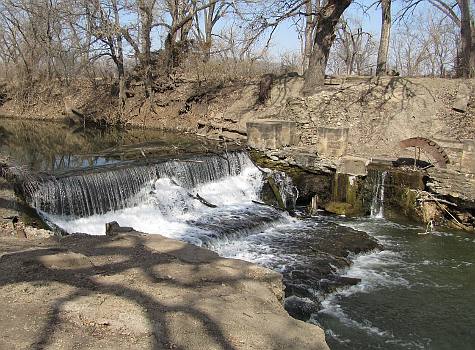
(136,256)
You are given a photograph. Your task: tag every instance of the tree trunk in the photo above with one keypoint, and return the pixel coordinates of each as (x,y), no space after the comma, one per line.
(382,67)
(146,55)
(466,38)
(209,23)
(472,49)
(328,18)
(310,19)
(120,63)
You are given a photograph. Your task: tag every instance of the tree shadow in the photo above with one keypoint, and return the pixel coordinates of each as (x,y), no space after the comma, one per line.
(138,253)
(372,85)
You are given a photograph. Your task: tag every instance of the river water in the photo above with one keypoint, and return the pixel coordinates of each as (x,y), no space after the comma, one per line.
(416,293)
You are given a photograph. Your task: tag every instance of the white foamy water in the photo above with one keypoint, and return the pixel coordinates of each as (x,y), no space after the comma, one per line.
(377,270)
(164,207)
(377,206)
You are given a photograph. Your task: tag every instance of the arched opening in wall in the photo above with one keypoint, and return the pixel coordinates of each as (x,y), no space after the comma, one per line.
(433,154)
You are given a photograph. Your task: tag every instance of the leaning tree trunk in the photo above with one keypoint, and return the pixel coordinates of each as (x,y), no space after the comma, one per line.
(120,64)
(466,39)
(382,62)
(310,21)
(146,55)
(328,18)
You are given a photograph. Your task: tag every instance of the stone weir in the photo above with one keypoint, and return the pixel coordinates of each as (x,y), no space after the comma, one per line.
(81,193)
(136,291)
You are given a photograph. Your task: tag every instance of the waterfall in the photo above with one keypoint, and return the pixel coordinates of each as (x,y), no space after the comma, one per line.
(288,191)
(377,205)
(102,191)
(168,204)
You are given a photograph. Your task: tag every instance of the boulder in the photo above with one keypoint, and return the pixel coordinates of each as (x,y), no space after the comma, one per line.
(341,208)
(113,229)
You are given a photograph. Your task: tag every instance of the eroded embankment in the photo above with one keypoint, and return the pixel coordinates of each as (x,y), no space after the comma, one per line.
(139,291)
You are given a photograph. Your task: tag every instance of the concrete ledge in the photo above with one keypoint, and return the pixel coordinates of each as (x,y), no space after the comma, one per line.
(353,166)
(141,292)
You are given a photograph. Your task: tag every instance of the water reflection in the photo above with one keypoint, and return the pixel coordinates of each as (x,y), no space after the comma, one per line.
(52,147)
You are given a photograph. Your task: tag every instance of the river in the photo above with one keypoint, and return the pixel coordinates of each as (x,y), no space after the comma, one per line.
(416,293)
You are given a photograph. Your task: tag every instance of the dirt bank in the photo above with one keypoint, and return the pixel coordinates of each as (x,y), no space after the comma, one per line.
(135,291)
(378,111)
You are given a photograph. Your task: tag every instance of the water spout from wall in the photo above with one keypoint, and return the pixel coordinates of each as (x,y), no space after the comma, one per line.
(377,204)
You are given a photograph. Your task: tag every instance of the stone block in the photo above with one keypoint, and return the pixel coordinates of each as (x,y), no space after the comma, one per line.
(271,134)
(462,99)
(468,157)
(353,166)
(332,141)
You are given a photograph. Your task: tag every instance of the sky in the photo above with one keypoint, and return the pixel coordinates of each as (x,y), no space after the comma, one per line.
(286,39)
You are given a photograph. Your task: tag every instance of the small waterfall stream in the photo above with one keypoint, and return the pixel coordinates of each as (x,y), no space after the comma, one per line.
(377,204)
(288,191)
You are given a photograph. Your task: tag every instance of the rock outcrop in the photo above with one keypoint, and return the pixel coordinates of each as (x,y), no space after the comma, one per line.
(134,291)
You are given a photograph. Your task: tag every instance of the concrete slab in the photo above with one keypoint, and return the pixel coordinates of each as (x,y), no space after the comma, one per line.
(462,99)
(332,141)
(353,166)
(271,134)
(468,157)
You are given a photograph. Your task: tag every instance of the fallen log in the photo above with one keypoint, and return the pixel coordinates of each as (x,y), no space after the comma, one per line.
(197,197)
(268,205)
(202,200)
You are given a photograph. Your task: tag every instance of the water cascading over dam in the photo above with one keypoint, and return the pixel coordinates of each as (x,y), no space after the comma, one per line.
(163,198)
(98,192)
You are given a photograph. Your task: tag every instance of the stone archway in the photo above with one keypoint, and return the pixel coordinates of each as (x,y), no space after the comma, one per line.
(430,147)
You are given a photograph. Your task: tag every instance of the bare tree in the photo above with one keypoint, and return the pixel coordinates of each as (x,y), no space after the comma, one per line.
(104,23)
(381,66)
(328,18)
(40,39)
(410,49)
(205,22)
(463,19)
(353,50)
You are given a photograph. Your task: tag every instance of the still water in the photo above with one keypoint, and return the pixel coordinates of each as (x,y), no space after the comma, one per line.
(416,293)
(56,147)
